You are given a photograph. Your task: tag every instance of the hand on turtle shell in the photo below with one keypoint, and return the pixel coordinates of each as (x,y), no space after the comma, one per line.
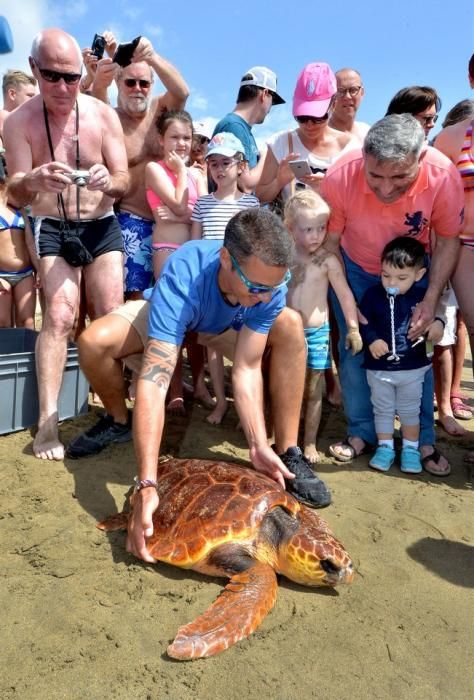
(266,461)
(140,526)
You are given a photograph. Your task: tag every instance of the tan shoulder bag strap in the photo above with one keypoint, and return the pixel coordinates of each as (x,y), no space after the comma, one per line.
(290,150)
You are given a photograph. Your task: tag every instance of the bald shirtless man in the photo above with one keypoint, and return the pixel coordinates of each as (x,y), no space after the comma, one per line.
(347,99)
(76,232)
(138,112)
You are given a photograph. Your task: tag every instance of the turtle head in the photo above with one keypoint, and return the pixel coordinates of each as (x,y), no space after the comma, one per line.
(312,556)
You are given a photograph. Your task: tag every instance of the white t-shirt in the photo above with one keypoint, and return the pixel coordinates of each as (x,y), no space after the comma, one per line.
(279,147)
(214,213)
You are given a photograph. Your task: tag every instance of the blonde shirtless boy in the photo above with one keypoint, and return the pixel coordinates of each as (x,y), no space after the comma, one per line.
(313,270)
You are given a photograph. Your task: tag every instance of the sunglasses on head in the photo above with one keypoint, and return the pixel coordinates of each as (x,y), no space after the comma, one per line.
(258,288)
(131,82)
(312,120)
(54,76)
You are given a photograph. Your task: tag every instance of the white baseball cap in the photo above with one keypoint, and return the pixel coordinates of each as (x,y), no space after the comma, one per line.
(264,78)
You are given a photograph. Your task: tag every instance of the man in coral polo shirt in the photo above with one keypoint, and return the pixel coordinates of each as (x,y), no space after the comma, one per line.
(395,186)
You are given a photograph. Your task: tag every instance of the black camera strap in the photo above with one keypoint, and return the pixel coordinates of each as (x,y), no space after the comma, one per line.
(61,207)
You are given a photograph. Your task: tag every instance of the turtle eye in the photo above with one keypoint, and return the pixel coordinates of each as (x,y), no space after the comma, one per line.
(328,566)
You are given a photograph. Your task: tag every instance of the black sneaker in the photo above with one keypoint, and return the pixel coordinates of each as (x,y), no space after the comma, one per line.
(105,432)
(306,486)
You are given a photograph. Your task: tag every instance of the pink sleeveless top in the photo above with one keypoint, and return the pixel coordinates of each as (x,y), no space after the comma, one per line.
(154,201)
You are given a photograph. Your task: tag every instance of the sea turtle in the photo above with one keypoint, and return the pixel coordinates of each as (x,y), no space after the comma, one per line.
(222,519)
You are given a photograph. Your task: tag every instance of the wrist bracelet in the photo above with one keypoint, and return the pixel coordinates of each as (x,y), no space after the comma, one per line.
(143,484)
(437,318)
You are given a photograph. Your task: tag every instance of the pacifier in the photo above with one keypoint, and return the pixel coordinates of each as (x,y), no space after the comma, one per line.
(392,291)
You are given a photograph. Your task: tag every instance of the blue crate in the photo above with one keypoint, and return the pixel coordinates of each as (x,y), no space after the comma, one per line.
(19,406)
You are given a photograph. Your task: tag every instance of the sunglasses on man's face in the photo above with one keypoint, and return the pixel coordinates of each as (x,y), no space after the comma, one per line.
(54,76)
(255,288)
(131,82)
(312,120)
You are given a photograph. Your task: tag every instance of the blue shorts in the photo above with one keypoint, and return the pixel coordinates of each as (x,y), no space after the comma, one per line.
(138,265)
(319,347)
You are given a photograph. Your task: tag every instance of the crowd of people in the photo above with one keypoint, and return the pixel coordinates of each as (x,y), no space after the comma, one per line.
(336,245)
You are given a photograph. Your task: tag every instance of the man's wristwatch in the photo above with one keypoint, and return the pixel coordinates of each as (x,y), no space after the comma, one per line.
(144,484)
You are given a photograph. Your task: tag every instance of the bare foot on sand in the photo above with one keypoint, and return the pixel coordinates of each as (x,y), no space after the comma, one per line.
(311,454)
(47,444)
(204,398)
(451,426)
(216,417)
(175,407)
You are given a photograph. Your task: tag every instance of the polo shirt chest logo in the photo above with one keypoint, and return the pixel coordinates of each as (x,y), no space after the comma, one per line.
(416,222)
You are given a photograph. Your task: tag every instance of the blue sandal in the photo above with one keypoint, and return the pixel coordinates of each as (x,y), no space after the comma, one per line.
(383,458)
(410,461)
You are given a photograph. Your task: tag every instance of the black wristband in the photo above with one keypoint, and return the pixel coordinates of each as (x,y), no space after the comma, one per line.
(437,318)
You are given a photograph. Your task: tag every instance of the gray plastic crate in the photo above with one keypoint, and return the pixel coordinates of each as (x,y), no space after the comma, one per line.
(19,405)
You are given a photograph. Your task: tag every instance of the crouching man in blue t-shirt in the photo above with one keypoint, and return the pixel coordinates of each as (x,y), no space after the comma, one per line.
(233,296)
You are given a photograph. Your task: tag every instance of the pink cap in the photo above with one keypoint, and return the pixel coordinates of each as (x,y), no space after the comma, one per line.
(315,87)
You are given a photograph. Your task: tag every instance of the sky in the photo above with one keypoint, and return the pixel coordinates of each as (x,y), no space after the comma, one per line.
(392,45)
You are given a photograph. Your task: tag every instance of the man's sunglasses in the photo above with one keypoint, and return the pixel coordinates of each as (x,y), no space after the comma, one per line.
(312,120)
(54,76)
(430,119)
(131,82)
(258,288)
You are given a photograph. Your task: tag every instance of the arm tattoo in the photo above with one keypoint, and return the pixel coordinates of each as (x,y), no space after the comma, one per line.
(159,362)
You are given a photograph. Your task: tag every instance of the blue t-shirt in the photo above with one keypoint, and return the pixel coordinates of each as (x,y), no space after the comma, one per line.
(240,128)
(187,298)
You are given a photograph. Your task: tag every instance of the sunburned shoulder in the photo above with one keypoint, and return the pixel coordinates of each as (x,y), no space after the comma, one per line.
(26,113)
(96,107)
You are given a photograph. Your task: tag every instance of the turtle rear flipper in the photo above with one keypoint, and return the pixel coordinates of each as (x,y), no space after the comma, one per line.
(235,614)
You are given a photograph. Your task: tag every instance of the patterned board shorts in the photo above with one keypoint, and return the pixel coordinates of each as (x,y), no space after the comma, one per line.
(138,265)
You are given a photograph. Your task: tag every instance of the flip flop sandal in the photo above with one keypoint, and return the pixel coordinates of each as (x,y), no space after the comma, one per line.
(367,449)
(435,457)
(461,410)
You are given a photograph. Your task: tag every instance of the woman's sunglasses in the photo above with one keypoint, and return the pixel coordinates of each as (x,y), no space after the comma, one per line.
(312,120)
(258,288)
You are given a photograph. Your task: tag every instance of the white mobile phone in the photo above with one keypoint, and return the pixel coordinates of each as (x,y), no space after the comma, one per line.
(300,168)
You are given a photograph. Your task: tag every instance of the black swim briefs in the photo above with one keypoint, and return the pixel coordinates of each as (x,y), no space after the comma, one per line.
(99,236)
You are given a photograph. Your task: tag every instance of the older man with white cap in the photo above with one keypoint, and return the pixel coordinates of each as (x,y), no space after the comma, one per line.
(257,95)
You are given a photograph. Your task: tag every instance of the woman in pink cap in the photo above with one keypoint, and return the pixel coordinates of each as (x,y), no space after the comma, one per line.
(313,140)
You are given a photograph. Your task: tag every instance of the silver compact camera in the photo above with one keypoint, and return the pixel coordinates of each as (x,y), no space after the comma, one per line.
(80,178)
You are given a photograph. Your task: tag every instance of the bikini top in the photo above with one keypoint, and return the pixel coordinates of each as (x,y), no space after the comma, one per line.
(16,222)
(154,200)
(465,162)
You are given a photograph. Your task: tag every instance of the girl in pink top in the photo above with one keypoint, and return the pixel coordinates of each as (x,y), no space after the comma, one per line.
(172,190)
(171,187)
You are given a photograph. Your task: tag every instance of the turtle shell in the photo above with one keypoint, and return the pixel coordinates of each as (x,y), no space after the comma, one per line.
(204,504)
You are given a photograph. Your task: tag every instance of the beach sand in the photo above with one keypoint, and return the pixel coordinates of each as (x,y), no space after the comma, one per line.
(82,619)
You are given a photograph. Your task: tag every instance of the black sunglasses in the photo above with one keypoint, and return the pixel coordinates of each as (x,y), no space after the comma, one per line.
(201,140)
(312,120)
(54,76)
(131,82)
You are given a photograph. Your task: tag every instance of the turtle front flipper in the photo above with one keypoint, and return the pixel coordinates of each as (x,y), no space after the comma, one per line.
(235,614)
